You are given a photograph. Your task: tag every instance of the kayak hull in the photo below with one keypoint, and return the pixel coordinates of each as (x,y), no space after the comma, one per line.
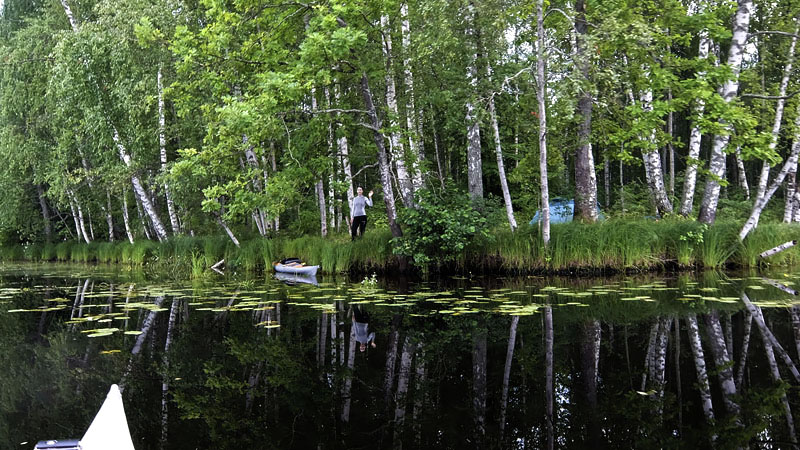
(297,270)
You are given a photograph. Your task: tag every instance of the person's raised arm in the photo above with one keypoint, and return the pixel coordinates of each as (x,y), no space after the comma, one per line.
(368,200)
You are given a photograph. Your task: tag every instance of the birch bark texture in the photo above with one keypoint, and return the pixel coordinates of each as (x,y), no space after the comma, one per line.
(474,162)
(396,146)
(585,177)
(541,89)
(741,27)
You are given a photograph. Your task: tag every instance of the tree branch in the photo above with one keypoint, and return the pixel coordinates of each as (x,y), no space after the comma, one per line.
(770,97)
(368,166)
(779,33)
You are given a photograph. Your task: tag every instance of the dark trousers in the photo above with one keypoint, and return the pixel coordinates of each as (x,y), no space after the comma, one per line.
(358,226)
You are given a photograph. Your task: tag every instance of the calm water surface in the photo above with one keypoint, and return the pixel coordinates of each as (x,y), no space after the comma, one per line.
(481,362)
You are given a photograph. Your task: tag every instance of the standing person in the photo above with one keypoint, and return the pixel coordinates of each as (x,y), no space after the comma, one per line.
(358,211)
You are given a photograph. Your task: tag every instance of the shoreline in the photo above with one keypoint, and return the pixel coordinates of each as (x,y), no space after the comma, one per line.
(601,249)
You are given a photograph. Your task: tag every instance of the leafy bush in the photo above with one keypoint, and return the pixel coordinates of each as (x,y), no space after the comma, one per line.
(439,229)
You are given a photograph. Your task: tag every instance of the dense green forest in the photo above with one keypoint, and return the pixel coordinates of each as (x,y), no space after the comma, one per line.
(148,119)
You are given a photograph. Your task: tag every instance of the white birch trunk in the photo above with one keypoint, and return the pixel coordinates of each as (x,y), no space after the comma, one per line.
(162,144)
(743,175)
(323,220)
(791,189)
(228,231)
(474,162)
(396,146)
(761,202)
(332,175)
(779,106)
(500,166)
(344,150)
(741,25)
(109,218)
(75,218)
(541,89)
(140,214)
(81,221)
(412,121)
(652,165)
(700,367)
(695,135)
(385,168)
(125,217)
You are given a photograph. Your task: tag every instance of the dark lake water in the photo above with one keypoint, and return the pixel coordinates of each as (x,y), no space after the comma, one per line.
(686,361)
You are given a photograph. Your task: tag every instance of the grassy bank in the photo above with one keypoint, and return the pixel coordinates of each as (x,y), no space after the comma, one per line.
(606,246)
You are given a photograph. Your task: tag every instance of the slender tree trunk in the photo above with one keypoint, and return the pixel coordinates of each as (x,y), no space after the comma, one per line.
(541,91)
(81,221)
(419,394)
(722,362)
(75,218)
(479,386)
(700,367)
(474,162)
(549,391)
(755,311)
(142,220)
(670,147)
(741,25)
(323,218)
(173,314)
(761,201)
(391,359)
(109,217)
(585,177)
(695,135)
(590,357)
(413,123)
(348,378)
(776,376)
(652,165)
(385,169)
(125,217)
(344,149)
(743,175)
(607,181)
(500,166)
(396,146)
(795,312)
(141,339)
(791,189)
(438,158)
(748,325)
(512,339)
(162,144)
(227,229)
(779,106)
(48,231)
(403,377)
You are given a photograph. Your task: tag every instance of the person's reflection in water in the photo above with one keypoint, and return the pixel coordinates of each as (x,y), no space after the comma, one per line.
(361,327)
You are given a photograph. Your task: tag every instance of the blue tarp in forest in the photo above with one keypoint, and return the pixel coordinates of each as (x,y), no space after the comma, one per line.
(561,211)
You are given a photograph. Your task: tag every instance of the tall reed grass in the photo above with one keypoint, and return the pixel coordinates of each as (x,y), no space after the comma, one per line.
(612,244)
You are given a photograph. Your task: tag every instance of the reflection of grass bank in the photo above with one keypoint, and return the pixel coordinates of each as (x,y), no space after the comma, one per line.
(607,246)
